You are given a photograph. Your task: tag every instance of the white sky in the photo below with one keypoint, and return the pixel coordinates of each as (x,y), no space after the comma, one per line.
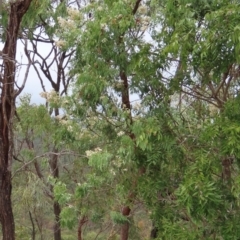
(33,85)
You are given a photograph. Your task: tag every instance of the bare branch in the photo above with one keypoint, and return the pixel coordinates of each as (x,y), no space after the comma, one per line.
(26,72)
(65,152)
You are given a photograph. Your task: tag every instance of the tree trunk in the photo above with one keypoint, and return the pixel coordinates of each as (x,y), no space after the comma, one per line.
(57,226)
(125,227)
(81,222)
(7,111)
(56,207)
(6,215)
(126,105)
(33,226)
(154,232)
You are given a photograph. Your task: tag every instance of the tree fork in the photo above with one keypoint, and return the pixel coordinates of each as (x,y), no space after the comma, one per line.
(7,111)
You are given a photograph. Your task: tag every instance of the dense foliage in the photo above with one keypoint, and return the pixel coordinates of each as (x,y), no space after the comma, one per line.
(147,138)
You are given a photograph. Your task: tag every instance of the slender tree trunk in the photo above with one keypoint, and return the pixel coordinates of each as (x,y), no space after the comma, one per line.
(154,231)
(39,224)
(125,227)
(55,173)
(81,222)
(126,106)
(7,110)
(56,207)
(57,226)
(33,226)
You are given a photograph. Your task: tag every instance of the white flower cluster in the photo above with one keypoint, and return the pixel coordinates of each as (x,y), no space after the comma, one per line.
(51,96)
(104,27)
(60,43)
(61,21)
(142,9)
(89,153)
(118,162)
(119,16)
(121,133)
(66,23)
(100,8)
(92,120)
(83,134)
(136,106)
(104,40)
(65,122)
(143,20)
(73,13)
(112,171)
(65,102)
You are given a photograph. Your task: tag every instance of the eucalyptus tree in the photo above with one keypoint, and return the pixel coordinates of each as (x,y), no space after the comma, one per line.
(179,157)
(15,11)
(37,25)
